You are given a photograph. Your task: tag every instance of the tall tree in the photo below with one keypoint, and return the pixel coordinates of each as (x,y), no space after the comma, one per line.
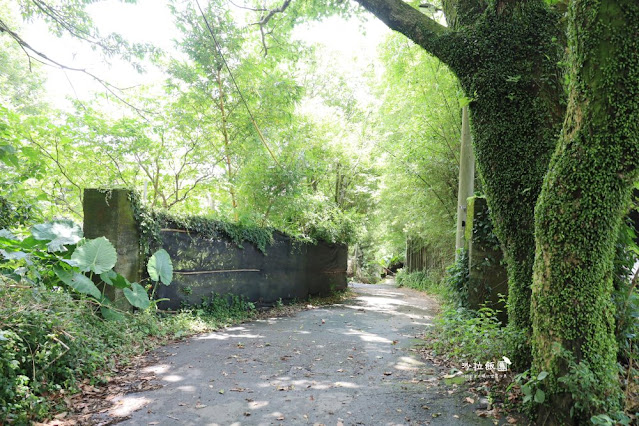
(584,197)
(505,54)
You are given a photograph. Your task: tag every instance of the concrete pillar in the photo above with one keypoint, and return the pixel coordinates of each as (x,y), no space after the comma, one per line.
(108,213)
(488,277)
(466,179)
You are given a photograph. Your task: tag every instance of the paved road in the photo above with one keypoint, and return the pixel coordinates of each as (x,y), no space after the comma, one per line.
(347,364)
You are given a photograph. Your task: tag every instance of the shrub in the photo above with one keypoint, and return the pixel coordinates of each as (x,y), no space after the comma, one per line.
(470,336)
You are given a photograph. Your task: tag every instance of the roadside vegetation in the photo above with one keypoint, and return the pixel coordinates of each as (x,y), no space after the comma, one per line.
(250,128)
(55,343)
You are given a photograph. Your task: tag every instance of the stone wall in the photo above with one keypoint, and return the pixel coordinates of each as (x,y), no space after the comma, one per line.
(202,266)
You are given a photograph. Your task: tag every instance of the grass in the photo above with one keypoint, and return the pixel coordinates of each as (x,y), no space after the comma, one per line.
(427,281)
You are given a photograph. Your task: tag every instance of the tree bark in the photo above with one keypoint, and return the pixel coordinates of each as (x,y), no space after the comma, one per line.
(584,197)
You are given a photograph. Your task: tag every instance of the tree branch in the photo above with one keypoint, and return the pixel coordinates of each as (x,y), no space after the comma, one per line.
(403,18)
(46,60)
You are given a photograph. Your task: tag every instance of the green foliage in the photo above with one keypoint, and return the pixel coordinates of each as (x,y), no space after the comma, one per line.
(418,140)
(458,278)
(228,307)
(514,127)
(50,341)
(427,281)
(58,233)
(624,295)
(214,229)
(585,195)
(160,267)
(470,336)
(55,255)
(77,281)
(483,229)
(96,256)
(14,213)
(530,387)
(332,225)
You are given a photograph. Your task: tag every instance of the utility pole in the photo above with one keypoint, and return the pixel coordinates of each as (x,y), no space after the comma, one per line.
(466,179)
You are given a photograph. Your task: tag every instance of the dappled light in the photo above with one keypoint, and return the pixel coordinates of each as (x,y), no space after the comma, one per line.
(367,337)
(226,336)
(338,362)
(244,212)
(172,378)
(126,405)
(406,363)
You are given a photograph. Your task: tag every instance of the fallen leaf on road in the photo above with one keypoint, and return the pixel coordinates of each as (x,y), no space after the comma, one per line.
(199,406)
(470,400)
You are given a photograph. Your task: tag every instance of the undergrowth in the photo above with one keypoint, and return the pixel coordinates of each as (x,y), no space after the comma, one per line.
(51,341)
(426,281)
(467,336)
(462,336)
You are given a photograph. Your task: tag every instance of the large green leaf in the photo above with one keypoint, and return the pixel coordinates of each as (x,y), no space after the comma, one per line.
(78,282)
(58,232)
(160,267)
(113,278)
(111,315)
(137,296)
(96,255)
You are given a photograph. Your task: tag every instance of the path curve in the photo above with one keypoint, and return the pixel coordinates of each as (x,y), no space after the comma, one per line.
(347,364)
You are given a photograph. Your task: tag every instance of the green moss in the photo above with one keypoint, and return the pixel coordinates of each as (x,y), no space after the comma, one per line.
(508,65)
(151,222)
(585,195)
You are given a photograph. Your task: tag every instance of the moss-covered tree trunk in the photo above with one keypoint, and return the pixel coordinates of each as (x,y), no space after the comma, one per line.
(505,54)
(584,197)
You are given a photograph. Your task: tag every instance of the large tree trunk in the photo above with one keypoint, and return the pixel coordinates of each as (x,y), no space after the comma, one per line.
(505,57)
(584,197)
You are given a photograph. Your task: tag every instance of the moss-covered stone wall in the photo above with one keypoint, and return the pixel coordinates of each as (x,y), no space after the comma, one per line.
(207,262)
(109,214)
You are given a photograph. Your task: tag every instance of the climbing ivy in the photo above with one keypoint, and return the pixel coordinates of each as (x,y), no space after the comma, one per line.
(151,222)
(516,108)
(507,57)
(585,194)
